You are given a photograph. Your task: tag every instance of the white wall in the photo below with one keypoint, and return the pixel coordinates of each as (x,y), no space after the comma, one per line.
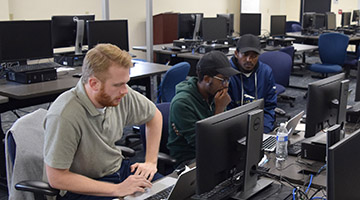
(4,10)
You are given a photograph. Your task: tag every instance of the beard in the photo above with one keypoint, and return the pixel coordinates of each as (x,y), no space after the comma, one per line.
(105,100)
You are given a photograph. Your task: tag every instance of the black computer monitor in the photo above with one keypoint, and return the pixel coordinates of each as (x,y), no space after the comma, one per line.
(330,21)
(326,103)
(356,16)
(228,145)
(108,31)
(187,25)
(229,22)
(319,21)
(214,29)
(308,20)
(345,19)
(250,23)
(343,172)
(278,25)
(64,30)
(23,40)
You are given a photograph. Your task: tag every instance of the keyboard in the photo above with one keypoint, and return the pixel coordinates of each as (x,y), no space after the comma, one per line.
(269,144)
(34,67)
(222,191)
(163,194)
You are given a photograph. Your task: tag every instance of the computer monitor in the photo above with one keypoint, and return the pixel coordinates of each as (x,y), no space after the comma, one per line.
(23,40)
(278,25)
(108,31)
(319,21)
(330,21)
(326,103)
(250,23)
(187,23)
(308,20)
(345,19)
(229,22)
(214,29)
(65,30)
(356,16)
(343,172)
(228,146)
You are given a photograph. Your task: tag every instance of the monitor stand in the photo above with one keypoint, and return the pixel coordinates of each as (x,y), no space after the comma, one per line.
(253,149)
(260,185)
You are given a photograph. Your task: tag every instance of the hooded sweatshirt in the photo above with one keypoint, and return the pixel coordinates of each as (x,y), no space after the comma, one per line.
(259,84)
(187,107)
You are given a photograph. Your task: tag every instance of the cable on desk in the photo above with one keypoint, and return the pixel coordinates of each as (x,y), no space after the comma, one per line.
(321,169)
(317,191)
(302,193)
(311,178)
(319,198)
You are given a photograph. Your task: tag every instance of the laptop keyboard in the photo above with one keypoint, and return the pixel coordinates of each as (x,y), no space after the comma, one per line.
(269,144)
(163,194)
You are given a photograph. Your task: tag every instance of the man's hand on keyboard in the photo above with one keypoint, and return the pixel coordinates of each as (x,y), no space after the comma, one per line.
(146,169)
(131,185)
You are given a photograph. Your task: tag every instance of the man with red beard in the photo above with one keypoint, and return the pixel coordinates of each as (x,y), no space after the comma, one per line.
(83,124)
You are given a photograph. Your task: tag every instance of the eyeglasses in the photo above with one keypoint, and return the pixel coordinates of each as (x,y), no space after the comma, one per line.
(224,81)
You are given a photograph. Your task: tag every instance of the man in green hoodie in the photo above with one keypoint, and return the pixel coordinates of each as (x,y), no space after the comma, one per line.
(196,99)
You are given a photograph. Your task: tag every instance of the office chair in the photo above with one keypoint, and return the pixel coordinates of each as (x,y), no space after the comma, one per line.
(281,65)
(296,28)
(172,77)
(332,50)
(289,26)
(165,161)
(24,158)
(351,61)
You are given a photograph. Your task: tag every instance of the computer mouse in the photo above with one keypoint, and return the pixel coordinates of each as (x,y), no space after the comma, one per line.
(163,47)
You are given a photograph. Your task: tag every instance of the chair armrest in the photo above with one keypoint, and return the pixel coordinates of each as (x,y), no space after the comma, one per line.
(166,158)
(126,151)
(37,187)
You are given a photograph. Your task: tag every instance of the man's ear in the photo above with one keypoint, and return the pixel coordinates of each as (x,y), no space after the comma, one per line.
(94,83)
(236,54)
(207,79)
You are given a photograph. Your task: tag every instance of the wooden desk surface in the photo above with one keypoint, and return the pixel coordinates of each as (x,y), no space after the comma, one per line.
(65,81)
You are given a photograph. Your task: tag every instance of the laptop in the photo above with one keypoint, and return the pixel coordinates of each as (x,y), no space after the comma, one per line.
(181,188)
(269,141)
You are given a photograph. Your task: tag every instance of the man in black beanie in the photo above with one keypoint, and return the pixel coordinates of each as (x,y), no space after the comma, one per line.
(256,80)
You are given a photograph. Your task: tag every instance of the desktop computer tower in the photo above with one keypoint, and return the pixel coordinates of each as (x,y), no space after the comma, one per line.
(69,59)
(35,76)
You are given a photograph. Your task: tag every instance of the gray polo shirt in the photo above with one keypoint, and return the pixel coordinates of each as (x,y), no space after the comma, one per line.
(81,138)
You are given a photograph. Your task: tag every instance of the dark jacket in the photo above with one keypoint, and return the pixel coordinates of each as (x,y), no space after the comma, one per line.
(264,89)
(187,107)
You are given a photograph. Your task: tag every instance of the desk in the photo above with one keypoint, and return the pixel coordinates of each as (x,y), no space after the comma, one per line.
(164,56)
(293,167)
(312,39)
(24,95)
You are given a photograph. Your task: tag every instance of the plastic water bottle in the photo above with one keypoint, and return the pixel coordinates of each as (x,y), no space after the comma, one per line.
(281,145)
